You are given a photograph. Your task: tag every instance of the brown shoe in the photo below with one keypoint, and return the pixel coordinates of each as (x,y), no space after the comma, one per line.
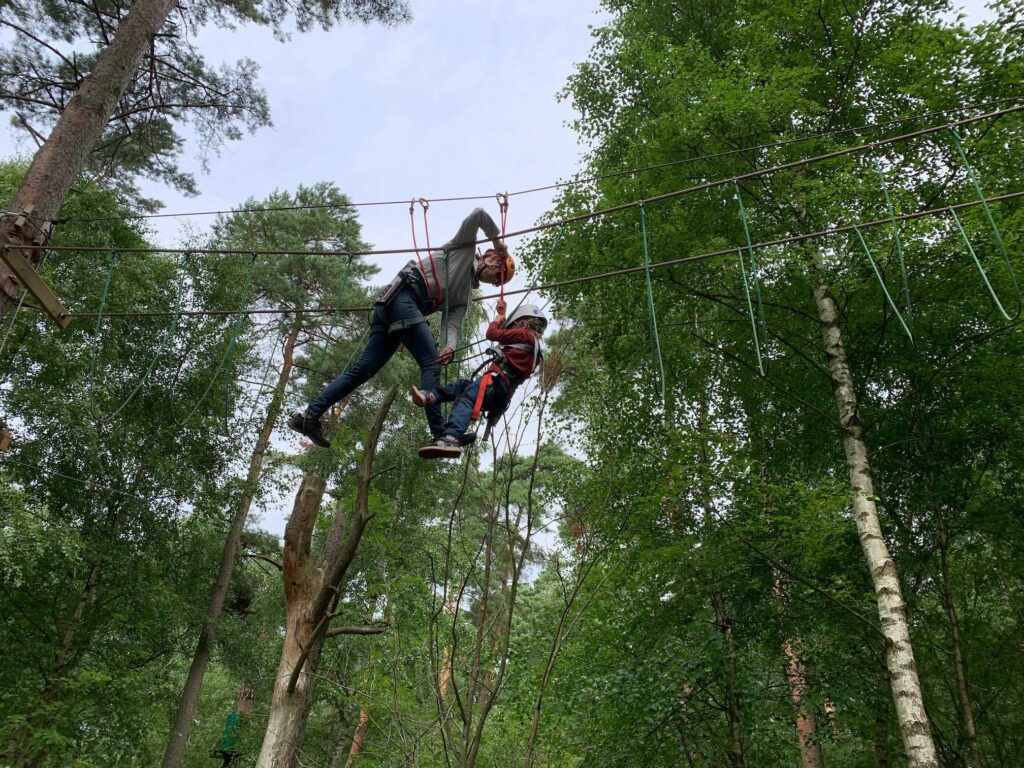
(421,397)
(445,447)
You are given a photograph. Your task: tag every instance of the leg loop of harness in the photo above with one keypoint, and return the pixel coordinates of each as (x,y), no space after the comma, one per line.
(481,393)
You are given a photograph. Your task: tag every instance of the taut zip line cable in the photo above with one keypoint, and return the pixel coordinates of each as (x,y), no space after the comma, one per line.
(847,228)
(583,216)
(573,182)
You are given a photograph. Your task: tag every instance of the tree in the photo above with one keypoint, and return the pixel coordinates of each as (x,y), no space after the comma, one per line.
(127,96)
(284,283)
(122,491)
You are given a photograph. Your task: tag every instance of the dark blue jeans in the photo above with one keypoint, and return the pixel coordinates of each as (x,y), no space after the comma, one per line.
(408,303)
(464,391)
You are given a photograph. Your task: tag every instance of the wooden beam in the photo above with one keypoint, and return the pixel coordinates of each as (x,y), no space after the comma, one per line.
(5,438)
(28,277)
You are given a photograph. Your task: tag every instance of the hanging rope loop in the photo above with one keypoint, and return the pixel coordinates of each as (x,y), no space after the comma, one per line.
(995,231)
(651,316)
(425,205)
(885,290)
(757,322)
(899,244)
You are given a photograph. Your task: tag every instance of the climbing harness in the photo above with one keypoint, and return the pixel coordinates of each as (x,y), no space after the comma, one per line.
(425,204)
(995,231)
(652,317)
(881,282)
(498,367)
(899,245)
(756,321)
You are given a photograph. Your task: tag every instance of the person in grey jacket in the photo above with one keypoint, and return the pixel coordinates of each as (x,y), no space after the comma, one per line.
(445,279)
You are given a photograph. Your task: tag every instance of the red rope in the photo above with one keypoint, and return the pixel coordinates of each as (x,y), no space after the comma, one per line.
(503,208)
(430,254)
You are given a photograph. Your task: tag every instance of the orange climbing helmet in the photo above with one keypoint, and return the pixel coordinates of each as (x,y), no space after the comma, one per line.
(506,265)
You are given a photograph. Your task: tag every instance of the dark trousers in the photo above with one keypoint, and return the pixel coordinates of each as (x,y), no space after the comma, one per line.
(408,304)
(465,391)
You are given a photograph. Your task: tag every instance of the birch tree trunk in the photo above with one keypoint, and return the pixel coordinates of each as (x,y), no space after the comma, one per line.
(208,632)
(62,157)
(899,653)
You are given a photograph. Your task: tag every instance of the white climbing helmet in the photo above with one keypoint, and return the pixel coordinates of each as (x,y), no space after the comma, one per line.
(526,310)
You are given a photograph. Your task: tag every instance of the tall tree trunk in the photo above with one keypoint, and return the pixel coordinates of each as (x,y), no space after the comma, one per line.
(965,708)
(899,654)
(311,588)
(732,698)
(208,632)
(59,161)
(806,721)
(288,709)
(357,739)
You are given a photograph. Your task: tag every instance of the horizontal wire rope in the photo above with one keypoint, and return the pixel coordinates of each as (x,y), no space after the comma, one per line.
(562,184)
(714,183)
(730,251)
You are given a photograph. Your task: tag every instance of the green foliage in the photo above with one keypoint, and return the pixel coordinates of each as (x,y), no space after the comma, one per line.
(53,46)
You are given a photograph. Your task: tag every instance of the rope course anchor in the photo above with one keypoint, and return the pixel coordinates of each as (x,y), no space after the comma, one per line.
(754,275)
(885,290)
(651,316)
(995,231)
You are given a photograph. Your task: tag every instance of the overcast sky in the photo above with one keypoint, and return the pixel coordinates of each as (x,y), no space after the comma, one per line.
(460,101)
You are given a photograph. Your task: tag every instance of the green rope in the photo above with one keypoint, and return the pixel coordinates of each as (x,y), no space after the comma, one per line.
(881,282)
(231,343)
(168,337)
(21,301)
(899,245)
(652,317)
(995,229)
(984,276)
(99,318)
(758,319)
(334,319)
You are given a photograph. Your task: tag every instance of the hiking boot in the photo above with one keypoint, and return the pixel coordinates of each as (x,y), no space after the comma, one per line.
(445,447)
(421,397)
(310,427)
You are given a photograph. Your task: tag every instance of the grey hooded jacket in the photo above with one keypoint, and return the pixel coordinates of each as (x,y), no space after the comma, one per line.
(457,278)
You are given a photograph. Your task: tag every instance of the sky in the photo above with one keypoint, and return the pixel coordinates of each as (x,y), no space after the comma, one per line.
(461,101)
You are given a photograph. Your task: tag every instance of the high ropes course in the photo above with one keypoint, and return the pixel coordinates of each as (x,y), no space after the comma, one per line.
(745,251)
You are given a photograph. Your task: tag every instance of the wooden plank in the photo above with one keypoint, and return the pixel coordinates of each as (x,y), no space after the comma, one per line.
(28,277)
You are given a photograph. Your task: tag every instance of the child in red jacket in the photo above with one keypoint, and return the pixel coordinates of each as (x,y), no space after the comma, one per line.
(518,354)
